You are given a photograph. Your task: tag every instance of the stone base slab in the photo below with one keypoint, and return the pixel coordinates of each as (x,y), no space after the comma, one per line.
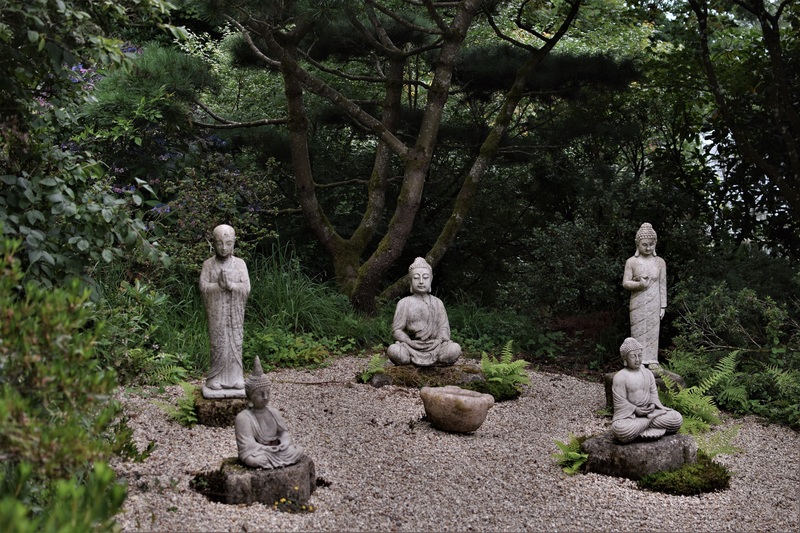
(241,484)
(217,394)
(217,412)
(638,458)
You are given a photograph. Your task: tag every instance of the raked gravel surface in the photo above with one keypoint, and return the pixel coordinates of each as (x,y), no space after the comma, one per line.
(387,470)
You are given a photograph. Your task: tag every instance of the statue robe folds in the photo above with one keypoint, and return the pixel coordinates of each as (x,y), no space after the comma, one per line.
(646,304)
(262,440)
(225,312)
(637,388)
(429,329)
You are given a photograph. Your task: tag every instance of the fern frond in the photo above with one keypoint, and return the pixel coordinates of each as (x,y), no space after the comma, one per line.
(719,442)
(724,369)
(693,425)
(787,381)
(734,393)
(507,354)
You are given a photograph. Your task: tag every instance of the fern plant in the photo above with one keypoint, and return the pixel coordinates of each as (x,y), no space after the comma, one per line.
(697,407)
(375,366)
(571,458)
(185,413)
(506,371)
(719,442)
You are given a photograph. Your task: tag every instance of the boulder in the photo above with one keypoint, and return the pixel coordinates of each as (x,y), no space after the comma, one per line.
(241,484)
(638,458)
(455,409)
(217,412)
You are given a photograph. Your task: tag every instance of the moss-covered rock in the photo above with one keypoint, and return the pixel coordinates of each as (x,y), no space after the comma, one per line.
(703,476)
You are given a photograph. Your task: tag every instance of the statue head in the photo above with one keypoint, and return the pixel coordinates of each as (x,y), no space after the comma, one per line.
(646,239)
(257,381)
(631,353)
(421,274)
(224,238)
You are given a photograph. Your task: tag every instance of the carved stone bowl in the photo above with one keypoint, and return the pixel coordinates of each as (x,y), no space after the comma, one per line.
(455,409)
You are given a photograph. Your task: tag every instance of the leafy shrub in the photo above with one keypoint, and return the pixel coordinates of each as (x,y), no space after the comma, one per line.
(131,344)
(55,407)
(81,503)
(478,329)
(279,349)
(766,335)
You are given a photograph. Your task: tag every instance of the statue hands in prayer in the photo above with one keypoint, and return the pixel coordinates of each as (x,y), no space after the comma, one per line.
(262,438)
(420,327)
(637,410)
(225,286)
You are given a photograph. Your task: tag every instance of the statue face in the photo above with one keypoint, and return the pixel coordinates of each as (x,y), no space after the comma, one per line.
(260,398)
(646,246)
(633,360)
(223,245)
(421,281)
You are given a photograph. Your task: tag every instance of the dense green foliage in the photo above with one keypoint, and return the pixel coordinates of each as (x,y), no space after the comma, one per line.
(694,403)
(120,147)
(56,410)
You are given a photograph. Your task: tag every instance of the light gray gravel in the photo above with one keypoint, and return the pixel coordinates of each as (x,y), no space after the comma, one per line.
(389,471)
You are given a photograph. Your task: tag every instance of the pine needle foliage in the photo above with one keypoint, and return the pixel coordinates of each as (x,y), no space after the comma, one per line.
(694,403)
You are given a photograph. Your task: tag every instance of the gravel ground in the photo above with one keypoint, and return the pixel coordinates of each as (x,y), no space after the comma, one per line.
(386,470)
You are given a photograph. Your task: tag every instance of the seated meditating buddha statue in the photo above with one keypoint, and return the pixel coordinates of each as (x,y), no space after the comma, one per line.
(637,410)
(420,327)
(261,434)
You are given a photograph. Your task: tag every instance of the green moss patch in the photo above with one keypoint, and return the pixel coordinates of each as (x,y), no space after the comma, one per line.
(691,479)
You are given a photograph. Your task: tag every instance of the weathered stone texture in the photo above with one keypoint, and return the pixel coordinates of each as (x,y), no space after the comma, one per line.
(639,458)
(257,485)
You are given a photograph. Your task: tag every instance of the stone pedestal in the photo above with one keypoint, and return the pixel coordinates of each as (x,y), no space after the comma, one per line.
(608,379)
(638,458)
(217,412)
(455,409)
(241,484)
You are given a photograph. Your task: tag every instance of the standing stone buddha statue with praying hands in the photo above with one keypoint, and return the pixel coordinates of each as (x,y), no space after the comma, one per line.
(225,286)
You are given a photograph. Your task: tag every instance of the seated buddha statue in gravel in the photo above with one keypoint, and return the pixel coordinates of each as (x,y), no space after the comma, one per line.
(261,433)
(638,413)
(420,327)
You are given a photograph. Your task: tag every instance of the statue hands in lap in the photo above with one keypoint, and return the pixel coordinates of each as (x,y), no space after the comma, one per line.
(420,326)
(261,434)
(646,278)
(637,410)
(225,285)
